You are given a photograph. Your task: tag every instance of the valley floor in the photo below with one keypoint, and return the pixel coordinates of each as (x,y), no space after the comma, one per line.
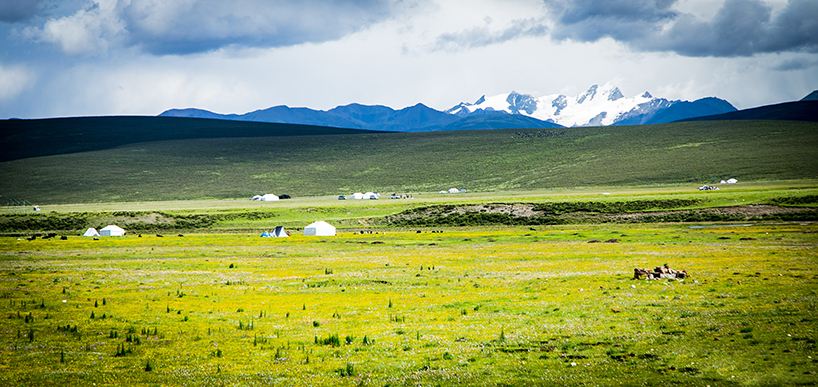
(468,305)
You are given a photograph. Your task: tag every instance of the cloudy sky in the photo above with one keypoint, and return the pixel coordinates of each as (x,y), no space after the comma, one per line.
(102,57)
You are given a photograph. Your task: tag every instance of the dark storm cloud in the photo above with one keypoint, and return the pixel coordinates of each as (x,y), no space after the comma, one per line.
(184,27)
(739,28)
(206,25)
(12,11)
(484,36)
(590,20)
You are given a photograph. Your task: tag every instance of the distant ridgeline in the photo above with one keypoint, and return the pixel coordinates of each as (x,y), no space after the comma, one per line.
(41,137)
(695,153)
(598,106)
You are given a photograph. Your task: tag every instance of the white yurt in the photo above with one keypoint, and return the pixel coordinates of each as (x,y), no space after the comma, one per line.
(279,232)
(319,228)
(454,190)
(91,232)
(732,181)
(268,198)
(112,230)
(358,195)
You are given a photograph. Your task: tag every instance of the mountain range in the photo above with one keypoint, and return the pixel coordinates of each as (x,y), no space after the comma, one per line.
(598,106)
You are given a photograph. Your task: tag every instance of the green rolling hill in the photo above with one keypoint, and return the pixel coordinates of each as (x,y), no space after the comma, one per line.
(299,165)
(53,136)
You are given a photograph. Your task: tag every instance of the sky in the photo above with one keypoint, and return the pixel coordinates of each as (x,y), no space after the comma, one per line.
(115,57)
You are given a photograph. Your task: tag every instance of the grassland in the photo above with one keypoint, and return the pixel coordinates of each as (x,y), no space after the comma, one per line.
(587,205)
(496,305)
(420,297)
(483,161)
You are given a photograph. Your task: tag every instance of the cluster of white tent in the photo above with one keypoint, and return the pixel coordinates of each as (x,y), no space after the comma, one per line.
(265,198)
(453,190)
(361,196)
(731,180)
(109,230)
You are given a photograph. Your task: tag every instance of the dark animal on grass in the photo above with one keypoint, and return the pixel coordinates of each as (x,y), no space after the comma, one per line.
(180,235)
(159,235)
(659,272)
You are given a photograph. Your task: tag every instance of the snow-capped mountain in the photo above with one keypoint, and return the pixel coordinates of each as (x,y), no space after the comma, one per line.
(599,105)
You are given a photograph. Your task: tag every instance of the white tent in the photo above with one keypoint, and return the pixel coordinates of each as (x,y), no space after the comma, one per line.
(732,181)
(92,232)
(454,190)
(112,230)
(358,195)
(268,198)
(319,228)
(371,195)
(279,232)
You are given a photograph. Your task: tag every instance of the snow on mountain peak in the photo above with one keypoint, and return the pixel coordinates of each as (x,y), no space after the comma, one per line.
(598,105)
(615,94)
(588,95)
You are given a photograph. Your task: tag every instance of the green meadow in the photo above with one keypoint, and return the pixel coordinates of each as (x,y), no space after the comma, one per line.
(525,279)
(489,305)
(691,153)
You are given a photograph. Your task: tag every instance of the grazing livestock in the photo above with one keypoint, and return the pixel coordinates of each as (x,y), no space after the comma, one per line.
(659,272)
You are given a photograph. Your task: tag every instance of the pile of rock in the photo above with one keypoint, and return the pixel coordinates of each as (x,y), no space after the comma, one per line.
(659,272)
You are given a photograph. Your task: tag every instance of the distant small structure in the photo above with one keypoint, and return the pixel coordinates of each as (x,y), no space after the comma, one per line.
(91,232)
(453,190)
(112,230)
(266,198)
(372,196)
(279,232)
(319,228)
(269,198)
(358,195)
(732,180)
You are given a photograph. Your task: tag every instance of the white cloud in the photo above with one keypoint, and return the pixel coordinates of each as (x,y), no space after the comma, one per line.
(13,81)
(89,30)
